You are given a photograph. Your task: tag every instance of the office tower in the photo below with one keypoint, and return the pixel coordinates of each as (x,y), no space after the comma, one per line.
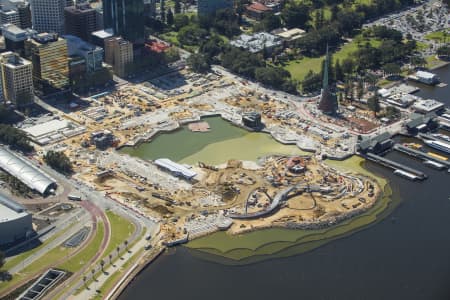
(92,55)
(17,79)
(49,56)
(15,37)
(126,18)
(48,15)
(119,54)
(9,16)
(24,10)
(80,21)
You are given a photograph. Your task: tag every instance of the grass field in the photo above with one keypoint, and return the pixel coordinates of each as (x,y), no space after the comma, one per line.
(54,255)
(299,68)
(75,263)
(439,36)
(121,229)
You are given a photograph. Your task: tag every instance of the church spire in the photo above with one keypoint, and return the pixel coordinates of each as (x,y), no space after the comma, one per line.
(325,71)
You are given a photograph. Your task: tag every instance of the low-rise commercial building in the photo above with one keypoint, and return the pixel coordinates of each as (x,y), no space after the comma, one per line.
(427,106)
(15,222)
(26,172)
(257,42)
(257,10)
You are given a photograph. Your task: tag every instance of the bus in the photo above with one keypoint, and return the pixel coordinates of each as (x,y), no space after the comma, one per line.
(74,197)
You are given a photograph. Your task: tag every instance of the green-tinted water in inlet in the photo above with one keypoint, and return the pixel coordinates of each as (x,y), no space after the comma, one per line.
(279,242)
(226,141)
(223,142)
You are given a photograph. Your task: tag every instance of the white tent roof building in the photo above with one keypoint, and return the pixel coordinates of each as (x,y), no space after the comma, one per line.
(23,170)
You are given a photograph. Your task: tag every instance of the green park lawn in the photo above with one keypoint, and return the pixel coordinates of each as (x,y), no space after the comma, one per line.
(299,68)
(121,230)
(439,36)
(75,263)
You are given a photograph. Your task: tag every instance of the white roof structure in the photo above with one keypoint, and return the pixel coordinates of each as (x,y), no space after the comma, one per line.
(428,105)
(177,169)
(257,42)
(10,210)
(23,170)
(43,129)
(425,75)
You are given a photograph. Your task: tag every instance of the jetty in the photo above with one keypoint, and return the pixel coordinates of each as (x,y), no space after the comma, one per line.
(421,155)
(398,168)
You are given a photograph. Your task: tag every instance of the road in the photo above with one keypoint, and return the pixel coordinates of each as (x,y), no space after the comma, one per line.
(77,222)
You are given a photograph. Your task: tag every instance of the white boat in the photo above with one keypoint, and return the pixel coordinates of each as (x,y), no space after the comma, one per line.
(434,164)
(442,146)
(441,137)
(405,174)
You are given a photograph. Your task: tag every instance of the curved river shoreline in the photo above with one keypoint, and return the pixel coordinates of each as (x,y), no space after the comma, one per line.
(403,254)
(281,242)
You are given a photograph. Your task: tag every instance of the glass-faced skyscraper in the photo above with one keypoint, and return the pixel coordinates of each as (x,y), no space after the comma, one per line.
(126,18)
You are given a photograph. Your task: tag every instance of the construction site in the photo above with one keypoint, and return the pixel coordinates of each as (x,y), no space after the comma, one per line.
(243,195)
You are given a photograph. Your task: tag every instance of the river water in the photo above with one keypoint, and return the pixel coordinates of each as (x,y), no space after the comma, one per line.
(405,256)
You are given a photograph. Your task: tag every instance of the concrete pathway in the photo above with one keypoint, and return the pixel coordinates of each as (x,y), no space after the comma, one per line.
(91,290)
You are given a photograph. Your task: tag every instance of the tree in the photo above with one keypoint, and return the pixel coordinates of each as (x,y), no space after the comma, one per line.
(169,17)
(102,264)
(418,61)
(118,250)
(347,66)
(93,273)
(192,35)
(443,51)
(198,63)
(391,69)
(15,138)
(180,21)
(374,104)
(268,23)
(311,82)
(177,6)
(392,112)
(126,244)
(171,55)
(2,259)
(84,281)
(338,72)
(58,161)
(295,14)
(360,89)
(110,258)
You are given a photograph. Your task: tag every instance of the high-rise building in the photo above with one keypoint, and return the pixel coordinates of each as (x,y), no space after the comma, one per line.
(126,18)
(80,20)
(208,7)
(24,10)
(17,79)
(48,15)
(328,101)
(9,16)
(50,59)
(119,54)
(15,37)
(93,55)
